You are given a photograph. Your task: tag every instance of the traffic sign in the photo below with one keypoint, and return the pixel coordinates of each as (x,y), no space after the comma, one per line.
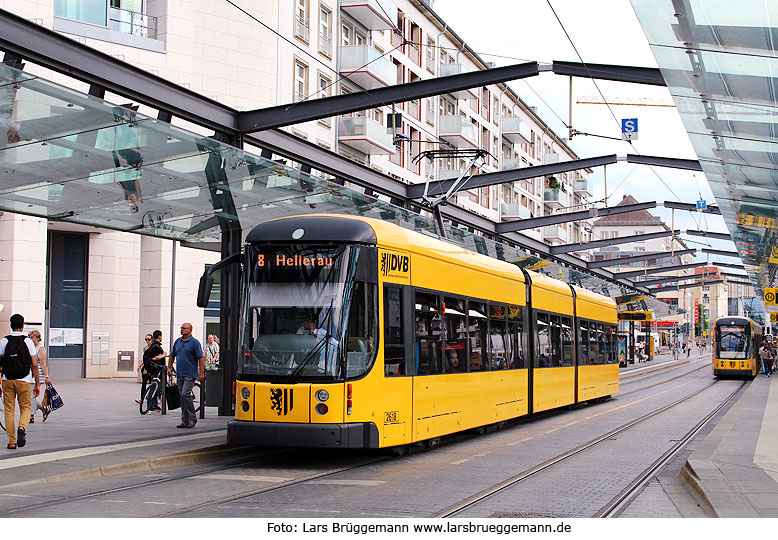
(771,297)
(774,316)
(629,129)
(702,205)
(634,315)
(773,255)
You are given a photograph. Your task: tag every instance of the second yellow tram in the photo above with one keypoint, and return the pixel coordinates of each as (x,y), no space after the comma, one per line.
(736,347)
(358,333)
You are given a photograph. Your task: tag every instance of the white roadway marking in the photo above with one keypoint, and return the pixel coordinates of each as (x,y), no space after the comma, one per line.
(460,462)
(10,463)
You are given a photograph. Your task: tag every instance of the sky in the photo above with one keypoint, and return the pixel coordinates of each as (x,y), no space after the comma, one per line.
(601,31)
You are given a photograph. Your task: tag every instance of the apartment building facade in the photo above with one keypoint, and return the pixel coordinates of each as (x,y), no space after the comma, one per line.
(95,293)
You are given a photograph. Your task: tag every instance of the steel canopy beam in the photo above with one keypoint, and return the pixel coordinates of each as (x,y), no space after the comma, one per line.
(532,223)
(672,163)
(640,75)
(315,109)
(637,258)
(716,235)
(746,283)
(691,207)
(685,286)
(669,279)
(657,270)
(492,179)
(730,265)
(721,252)
(567,248)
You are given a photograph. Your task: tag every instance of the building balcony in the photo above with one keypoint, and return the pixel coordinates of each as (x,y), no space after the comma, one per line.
(554,198)
(373,14)
(548,159)
(510,164)
(301,29)
(365,134)
(132,22)
(365,66)
(583,187)
(458,131)
(325,44)
(514,211)
(456,69)
(449,174)
(516,131)
(554,233)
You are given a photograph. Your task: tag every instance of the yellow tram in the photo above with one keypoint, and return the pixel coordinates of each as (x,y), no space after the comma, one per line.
(736,347)
(358,333)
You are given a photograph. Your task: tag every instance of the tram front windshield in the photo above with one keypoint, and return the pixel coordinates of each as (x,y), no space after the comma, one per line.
(306,316)
(732,342)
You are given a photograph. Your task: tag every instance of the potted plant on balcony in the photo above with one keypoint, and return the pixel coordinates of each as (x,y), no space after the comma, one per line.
(553,183)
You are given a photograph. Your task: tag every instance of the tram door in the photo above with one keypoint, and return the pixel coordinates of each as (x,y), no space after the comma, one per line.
(396,395)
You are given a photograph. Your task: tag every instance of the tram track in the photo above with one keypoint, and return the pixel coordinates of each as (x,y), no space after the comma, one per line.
(622,500)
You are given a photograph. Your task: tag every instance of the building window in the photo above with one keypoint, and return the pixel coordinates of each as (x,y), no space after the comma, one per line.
(325,31)
(325,90)
(88,11)
(301,22)
(300,81)
(125,16)
(431,55)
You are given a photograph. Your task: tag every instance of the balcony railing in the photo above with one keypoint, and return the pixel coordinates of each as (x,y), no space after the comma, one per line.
(514,211)
(365,135)
(516,131)
(366,67)
(554,233)
(510,164)
(458,130)
(373,14)
(301,28)
(456,69)
(583,187)
(325,44)
(555,198)
(132,22)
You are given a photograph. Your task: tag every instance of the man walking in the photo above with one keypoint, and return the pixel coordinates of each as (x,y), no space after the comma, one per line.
(189,367)
(20,369)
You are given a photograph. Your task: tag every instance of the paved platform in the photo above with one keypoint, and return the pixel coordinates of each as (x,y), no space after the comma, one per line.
(100,432)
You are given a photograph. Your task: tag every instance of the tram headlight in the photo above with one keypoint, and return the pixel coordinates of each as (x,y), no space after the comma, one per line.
(244,405)
(245,393)
(322,408)
(322,395)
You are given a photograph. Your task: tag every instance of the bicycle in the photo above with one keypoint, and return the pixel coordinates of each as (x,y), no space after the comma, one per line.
(153,391)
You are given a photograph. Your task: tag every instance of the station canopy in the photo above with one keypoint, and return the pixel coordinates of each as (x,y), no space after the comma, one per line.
(721,65)
(71,157)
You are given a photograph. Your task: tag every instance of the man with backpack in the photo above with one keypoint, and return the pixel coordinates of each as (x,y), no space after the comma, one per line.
(19,366)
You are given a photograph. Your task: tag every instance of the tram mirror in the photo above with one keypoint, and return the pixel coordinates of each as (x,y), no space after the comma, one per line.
(204,290)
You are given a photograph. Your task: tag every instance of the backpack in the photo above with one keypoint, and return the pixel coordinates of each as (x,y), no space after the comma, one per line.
(16,362)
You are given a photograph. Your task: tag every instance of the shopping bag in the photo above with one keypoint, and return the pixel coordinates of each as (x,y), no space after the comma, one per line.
(55,402)
(172,395)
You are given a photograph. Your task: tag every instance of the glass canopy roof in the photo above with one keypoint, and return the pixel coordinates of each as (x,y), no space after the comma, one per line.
(71,157)
(721,66)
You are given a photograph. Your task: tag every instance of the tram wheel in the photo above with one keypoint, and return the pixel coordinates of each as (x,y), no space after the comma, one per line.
(399,451)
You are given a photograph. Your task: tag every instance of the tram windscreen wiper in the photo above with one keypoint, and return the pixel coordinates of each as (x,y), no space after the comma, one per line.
(313,353)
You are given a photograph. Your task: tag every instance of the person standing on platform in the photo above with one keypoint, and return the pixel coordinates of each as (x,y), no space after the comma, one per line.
(153,364)
(189,368)
(20,368)
(43,375)
(212,353)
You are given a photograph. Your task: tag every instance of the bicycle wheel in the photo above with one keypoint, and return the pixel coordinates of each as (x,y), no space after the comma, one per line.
(196,392)
(150,391)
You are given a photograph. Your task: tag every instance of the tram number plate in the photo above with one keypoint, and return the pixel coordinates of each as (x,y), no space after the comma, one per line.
(732,364)
(390,417)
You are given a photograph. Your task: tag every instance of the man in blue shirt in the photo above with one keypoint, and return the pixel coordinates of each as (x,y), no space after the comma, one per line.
(190,367)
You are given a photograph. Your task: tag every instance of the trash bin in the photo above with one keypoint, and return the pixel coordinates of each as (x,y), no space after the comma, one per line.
(213,388)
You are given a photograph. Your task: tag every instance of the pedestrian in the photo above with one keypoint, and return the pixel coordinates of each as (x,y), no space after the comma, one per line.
(153,363)
(212,353)
(20,368)
(689,349)
(188,355)
(764,355)
(43,375)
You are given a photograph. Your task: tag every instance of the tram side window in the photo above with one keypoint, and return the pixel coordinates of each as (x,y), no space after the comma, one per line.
(427,347)
(456,335)
(499,344)
(543,358)
(556,341)
(394,346)
(594,347)
(567,342)
(584,360)
(611,335)
(478,328)
(515,334)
